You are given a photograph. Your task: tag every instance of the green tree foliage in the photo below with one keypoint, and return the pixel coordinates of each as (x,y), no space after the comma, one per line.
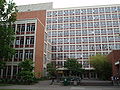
(51,69)
(102,66)
(7,18)
(26,73)
(73,66)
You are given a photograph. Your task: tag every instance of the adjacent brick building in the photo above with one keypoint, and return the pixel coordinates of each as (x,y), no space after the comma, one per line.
(114,58)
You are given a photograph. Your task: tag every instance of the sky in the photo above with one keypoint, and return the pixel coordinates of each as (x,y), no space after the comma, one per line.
(68,3)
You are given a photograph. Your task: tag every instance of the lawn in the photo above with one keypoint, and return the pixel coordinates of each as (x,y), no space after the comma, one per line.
(15,89)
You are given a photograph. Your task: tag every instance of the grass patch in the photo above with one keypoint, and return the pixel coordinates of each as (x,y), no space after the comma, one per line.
(15,89)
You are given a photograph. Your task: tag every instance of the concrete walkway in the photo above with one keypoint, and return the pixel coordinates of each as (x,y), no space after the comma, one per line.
(45,85)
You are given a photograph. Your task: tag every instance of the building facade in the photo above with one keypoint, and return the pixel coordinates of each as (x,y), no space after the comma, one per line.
(83,32)
(44,35)
(29,43)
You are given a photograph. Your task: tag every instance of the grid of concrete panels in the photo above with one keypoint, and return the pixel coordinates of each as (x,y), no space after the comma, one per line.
(83,32)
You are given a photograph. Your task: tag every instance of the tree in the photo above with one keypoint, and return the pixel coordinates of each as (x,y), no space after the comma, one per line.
(26,73)
(102,66)
(73,66)
(7,18)
(51,69)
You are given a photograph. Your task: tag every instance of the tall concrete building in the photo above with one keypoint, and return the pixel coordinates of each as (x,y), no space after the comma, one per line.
(44,35)
(82,32)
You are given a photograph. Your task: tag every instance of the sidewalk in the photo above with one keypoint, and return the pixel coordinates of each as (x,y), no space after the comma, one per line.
(45,85)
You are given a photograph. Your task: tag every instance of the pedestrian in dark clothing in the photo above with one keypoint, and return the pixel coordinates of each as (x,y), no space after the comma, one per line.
(52,80)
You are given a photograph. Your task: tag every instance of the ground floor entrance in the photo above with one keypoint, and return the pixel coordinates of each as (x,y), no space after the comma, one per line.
(87,74)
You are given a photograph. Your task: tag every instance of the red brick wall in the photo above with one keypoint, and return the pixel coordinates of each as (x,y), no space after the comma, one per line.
(39,50)
(114,56)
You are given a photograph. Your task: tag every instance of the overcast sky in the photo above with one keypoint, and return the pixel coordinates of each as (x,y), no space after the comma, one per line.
(68,3)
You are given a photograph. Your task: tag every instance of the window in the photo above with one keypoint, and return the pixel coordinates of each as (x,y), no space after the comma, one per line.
(98,47)
(85,39)
(60,33)
(89,11)
(110,38)
(18,55)
(77,18)
(72,12)
(95,10)
(72,40)
(84,32)
(114,16)
(20,28)
(66,19)
(91,47)
(60,13)
(78,40)
(60,26)
(104,46)
(78,33)
(72,25)
(101,10)
(103,31)
(97,31)
(66,48)
(29,40)
(91,39)
(102,17)
(54,48)
(28,54)
(66,33)
(72,33)
(83,11)
(66,26)
(90,17)
(60,19)
(77,11)
(48,20)
(97,39)
(49,14)
(104,39)
(109,31)
(54,20)
(66,12)
(78,25)
(116,31)
(103,24)
(49,27)
(72,19)
(60,56)
(96,24)
(108,16)
(107,9)
(54,13)
(72,47)
(115,23)
(85,47)
(30,27)
(54,56)
(90,24)
(78,47)
(109,23)
(59,48)
(54,26)
(19,40)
